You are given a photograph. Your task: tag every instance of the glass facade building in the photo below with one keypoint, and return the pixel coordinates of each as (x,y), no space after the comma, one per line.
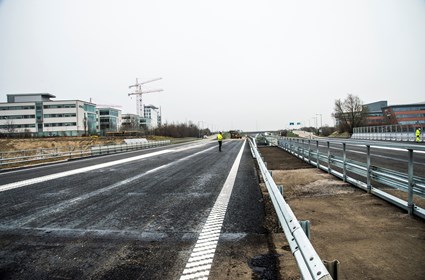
(379,113)
(109,120)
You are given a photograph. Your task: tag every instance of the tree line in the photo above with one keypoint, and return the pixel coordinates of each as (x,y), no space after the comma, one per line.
(181,130)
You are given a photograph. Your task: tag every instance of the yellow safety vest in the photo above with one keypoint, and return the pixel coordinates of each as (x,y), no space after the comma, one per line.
(418,133)
(219,137)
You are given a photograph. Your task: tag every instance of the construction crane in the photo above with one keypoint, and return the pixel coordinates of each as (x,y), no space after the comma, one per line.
(139,92)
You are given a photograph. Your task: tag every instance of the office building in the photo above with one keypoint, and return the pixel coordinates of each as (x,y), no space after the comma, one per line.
(36,114)
(379,113)
(152,117)
(406,114)
(130,122)
(109,120)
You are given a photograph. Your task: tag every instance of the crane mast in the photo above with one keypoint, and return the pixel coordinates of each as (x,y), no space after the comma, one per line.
(138,92)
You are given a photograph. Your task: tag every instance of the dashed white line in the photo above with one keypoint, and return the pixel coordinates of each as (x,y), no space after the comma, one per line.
(201,258)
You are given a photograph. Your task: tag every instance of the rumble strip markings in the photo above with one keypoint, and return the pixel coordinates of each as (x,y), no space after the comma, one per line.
(199,264)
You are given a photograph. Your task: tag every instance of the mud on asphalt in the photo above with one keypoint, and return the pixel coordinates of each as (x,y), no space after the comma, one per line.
(371,238)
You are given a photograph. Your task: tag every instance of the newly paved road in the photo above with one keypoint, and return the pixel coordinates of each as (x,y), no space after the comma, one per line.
(134,216)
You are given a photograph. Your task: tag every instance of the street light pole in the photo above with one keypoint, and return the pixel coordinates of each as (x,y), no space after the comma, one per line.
(315,124)
(321,125)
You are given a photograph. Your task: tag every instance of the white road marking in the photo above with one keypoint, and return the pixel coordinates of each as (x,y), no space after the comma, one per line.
(199,264)
(71,202)
(76,171)
(89,168)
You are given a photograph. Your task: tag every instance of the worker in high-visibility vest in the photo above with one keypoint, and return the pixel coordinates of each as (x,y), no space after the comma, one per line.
(220,140)
(418,134)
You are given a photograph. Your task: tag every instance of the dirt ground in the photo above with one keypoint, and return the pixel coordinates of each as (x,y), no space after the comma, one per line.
(371,238)
(56,142)
(83,143)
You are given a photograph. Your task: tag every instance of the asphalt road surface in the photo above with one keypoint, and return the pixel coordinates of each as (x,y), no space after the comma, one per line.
(164,213)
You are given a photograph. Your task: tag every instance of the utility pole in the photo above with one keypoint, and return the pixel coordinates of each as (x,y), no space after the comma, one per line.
(138,92)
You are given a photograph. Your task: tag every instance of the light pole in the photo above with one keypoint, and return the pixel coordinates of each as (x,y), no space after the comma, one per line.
(320,121)
(315,123)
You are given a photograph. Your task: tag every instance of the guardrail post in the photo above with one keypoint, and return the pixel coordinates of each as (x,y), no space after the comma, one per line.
(309,151)
(329,156)
(344,162)
(369,186)
(302,149)
(280,188)
(411,183)
(333,268)
(305,225)
(317,153)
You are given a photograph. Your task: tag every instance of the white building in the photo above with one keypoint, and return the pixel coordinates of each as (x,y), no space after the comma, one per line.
(152,117)
(130,122)
(37,114)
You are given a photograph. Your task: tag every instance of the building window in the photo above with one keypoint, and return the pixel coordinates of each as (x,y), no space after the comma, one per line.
(60,124)
(6,108)
(17,117)
(59,106)
(17,126)
(70,115)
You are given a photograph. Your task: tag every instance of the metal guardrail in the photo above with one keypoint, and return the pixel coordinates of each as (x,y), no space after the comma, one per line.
(308,150)
(308,261)
(387,133)
(43,155)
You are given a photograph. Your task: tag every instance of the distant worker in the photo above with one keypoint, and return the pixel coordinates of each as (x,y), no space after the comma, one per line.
(220,140)
(418,135)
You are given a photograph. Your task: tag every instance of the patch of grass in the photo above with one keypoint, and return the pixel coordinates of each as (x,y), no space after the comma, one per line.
(337,134)
(291,134)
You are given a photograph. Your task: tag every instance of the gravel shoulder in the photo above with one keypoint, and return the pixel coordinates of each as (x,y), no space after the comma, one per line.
(371,238)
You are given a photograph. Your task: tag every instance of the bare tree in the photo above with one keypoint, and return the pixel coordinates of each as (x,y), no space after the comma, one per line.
(349,113)
(10,127)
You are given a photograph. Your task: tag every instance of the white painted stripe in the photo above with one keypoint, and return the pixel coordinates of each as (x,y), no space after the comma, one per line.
(71,202)
(77,171)
(93,167)
(195,259)
(202,256)
(203,252)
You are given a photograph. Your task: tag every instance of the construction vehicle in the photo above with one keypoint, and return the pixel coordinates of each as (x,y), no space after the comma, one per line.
(234,134)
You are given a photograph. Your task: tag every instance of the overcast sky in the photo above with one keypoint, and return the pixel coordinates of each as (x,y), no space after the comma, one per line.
(226,64)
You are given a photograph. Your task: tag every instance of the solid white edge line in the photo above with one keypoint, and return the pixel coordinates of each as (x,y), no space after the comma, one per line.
(195,269)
